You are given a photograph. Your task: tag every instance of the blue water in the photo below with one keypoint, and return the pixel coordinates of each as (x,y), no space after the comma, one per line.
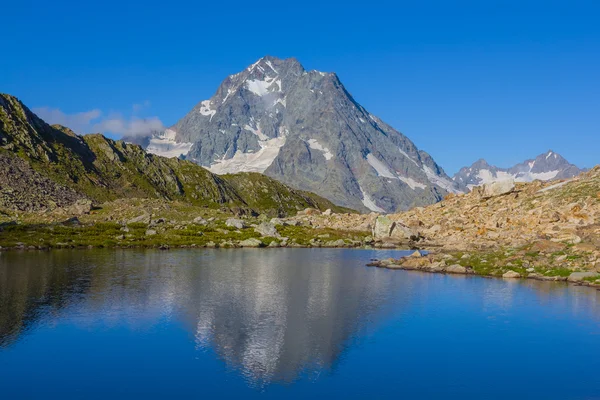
(285,323)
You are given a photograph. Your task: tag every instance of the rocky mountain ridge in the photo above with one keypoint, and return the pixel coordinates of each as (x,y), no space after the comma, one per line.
(304,129)
(545,167)
(50,166)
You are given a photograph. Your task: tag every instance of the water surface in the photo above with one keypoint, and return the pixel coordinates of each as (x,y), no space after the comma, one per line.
(287,323)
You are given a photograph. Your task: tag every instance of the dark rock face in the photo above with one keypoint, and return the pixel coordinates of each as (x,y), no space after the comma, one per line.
(545,167)
(304,129)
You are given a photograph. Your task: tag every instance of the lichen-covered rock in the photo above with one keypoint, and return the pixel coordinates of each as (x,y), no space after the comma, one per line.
(266,229)
(252,242)
(235,223)
(579,276)
(383,227)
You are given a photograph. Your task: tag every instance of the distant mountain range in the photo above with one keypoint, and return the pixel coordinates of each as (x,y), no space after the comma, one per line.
(304,129)
(545,167)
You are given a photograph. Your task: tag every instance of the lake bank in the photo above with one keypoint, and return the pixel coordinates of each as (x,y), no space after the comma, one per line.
(506,264)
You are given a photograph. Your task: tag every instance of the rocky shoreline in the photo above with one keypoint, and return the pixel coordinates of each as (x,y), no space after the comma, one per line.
(444,263)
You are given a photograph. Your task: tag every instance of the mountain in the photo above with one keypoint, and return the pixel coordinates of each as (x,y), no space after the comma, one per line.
(47,166)
(546,166)
(304,129)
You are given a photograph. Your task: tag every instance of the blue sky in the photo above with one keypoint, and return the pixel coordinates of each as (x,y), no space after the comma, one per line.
(501,80)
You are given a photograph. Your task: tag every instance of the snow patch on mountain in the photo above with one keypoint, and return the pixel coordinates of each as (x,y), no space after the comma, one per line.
(315,145)
(445,184)
(250,161)
(369,203)
(164,145)
(206,110)
(412,183)
(545,167)
(380,167)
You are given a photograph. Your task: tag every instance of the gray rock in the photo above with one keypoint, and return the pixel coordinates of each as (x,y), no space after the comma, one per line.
(235,223)
(578,276)
(328,212)
(266,229)
(511,275)
(497,188)
(82,206)
(200,221)
(140,219)
(252,242)
(150,232)
(336,243)
(456,269)
(383,227)
(278,221)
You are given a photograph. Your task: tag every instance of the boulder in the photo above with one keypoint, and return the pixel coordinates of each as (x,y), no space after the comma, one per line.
(235,223)
(511,275)
(252,242)
(200,221)
(278,221)
(403,232)
(497,188)
(328,212)
(140,219)
(266,229)
(83,206)
(383,227)
(150,232)
(416,254)
(579,276)
(456,269)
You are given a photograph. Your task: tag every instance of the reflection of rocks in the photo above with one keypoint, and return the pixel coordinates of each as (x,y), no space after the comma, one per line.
(30,289)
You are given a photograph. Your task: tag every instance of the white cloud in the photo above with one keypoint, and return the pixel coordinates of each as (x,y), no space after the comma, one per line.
(94,121)
(78,122)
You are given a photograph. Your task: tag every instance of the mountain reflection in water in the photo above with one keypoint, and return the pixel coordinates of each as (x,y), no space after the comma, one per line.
(291,323)
(266,313)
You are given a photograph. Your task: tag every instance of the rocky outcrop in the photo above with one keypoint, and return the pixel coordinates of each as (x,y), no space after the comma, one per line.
(545,217)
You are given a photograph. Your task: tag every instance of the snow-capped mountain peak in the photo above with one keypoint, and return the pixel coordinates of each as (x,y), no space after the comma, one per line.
(546,166)
(304,128)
